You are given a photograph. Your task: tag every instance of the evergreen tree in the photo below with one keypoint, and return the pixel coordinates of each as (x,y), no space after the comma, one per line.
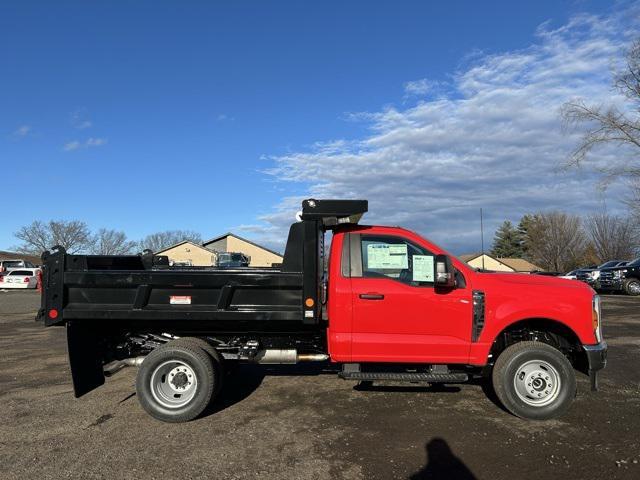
(525,229)
(507,242)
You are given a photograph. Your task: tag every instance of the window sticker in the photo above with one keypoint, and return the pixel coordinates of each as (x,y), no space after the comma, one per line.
(383,255)
(423,268)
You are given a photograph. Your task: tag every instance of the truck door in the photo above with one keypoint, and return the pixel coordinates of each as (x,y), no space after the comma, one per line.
(398,315)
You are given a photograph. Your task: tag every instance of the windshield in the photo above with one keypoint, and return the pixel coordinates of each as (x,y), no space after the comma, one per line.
(610,263)
(12,263)
(635,263)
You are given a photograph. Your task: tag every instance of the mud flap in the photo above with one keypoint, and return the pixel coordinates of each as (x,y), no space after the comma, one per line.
(85,356)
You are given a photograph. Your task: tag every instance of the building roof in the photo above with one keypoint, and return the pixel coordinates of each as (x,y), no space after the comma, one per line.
(182,243)
(517,264)
(466,257)
(220,237)
(520,264)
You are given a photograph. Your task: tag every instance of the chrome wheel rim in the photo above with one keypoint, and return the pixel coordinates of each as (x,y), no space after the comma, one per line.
(537,383)
(173,384)
(634,288)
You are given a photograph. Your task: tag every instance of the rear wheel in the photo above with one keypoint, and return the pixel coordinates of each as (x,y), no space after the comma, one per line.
(631,286)
(534,380)
(176,382)
(218,364)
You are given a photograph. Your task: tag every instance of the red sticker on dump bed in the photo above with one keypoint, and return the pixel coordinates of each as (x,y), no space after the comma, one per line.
(180,300)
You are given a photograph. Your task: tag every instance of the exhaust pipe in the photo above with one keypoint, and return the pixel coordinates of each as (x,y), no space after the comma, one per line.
(312,357)
(114,367)
(279,357)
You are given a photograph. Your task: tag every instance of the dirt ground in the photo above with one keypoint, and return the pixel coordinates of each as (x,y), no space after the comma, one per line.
(307,424)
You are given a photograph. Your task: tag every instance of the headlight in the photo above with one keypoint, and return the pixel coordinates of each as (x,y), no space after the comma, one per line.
(596,317)
(595,274)
(618,273)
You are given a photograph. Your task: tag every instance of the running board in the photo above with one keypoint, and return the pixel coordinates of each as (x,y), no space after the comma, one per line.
(406,377)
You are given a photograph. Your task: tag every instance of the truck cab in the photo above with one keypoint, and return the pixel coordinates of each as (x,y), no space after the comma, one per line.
(390,306)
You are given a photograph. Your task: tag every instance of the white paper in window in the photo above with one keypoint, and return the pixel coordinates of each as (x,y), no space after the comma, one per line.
(423,268)
(383,255)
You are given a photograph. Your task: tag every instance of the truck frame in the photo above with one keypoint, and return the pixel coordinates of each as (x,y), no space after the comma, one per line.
(422,316)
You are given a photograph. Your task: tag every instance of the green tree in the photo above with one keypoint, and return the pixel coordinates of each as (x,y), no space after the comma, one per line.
(507,242)
(525,227)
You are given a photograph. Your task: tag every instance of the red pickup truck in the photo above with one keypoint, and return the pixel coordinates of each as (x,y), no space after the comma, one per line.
(390,306)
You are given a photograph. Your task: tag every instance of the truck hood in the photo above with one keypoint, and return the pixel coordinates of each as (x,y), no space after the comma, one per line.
(534,280)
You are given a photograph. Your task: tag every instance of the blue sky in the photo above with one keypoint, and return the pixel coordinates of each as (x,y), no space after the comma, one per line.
(216,116)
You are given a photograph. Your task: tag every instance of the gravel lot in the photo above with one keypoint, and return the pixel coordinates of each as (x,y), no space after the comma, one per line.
(307,424)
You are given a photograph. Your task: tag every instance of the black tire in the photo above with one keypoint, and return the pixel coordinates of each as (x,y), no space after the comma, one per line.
(540,363)
(631,287)
(157,392)
(218,363)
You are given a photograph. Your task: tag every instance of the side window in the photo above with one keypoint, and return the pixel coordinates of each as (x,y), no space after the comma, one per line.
(396,258)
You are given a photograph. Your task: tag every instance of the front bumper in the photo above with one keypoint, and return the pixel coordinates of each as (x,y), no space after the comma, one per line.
(597,360)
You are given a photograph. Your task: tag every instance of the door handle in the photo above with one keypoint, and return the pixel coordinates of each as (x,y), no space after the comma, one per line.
(372,296)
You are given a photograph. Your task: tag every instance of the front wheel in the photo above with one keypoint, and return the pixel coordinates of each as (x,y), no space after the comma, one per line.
(176,382)
(533,380)
(632,287)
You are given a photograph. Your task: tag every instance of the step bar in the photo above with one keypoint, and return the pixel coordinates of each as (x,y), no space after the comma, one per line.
(438,374)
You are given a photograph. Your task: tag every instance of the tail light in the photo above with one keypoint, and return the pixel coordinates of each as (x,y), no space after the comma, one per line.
(1,278)
(26,279)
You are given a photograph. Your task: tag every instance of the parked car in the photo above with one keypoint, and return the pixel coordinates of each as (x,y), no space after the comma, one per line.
(6,265)
(622,278)
(591,276)
(20,278)
(232,259)
(572,275)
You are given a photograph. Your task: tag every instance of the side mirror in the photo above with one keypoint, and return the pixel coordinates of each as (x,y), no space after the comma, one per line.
(444,273)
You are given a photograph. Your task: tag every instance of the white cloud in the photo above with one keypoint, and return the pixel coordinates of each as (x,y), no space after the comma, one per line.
(90,142)
(95,142)
(79,119)
(493,141)
(419,88)
(70,146)
(22,131)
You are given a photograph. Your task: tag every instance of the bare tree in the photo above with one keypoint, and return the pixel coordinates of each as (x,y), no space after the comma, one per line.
(613,238)
(160,240)
(37,237)
(556,240)
(633,199)
(607,124)
(111,242)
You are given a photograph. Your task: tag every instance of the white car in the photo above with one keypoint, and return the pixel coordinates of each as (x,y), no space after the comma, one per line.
(13,264)
(572,275)
(21,278)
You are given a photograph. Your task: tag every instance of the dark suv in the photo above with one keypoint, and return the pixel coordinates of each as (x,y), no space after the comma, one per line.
(591,276)
(232,259)
(623,278)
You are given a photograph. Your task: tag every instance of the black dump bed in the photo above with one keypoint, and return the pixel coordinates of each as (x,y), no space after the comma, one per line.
(143,291)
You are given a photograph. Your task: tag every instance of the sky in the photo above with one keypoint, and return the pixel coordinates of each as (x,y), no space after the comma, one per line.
(222,116)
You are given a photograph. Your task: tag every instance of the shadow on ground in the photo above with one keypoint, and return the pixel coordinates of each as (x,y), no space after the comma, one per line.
(442,463)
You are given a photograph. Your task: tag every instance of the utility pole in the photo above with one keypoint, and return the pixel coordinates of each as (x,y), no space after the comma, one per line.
(482,237)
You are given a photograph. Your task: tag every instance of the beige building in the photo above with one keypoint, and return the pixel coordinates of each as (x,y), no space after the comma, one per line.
(487,262)
(229,242)
(189,253)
